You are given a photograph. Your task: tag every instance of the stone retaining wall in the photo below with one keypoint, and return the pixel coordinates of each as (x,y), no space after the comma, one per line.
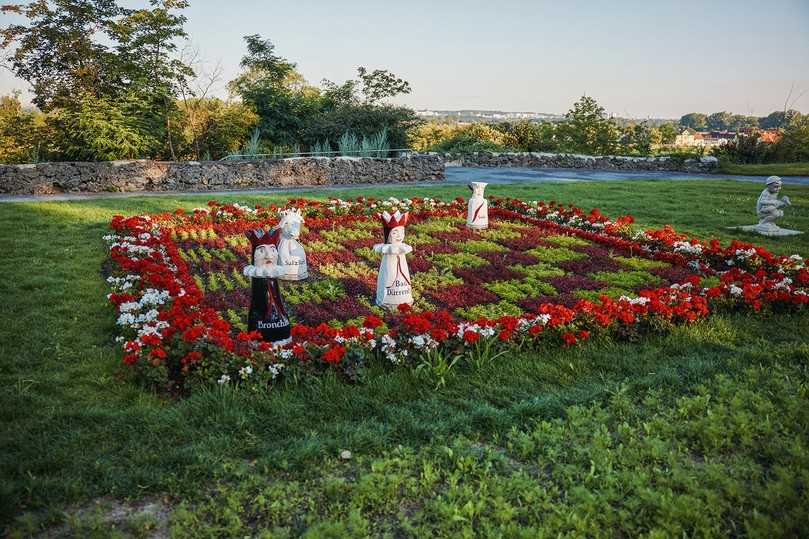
(145,175)
(607,162)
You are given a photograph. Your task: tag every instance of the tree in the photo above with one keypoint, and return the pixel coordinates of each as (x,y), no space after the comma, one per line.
(778,119)
(793,146)
(529,136)
(277,92)
(587,129)
(668,133)
(720,121)
(381,84)
(21,131)
(61,51)
(102,129)
(84,57)
(212,128)
(694,120)
(146,47)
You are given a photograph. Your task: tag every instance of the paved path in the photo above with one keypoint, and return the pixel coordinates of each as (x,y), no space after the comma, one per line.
(455,175)
(519,175)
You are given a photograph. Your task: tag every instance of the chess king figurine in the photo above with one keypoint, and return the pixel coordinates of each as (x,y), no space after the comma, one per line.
(267,313)
(290,252)
(477,216)
(393,282)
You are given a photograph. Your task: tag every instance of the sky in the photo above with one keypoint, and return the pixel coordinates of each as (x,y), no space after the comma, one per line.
(636,58)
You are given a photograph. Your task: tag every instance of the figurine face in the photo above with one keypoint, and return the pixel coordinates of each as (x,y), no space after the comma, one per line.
(292,229)
(396,235)
(774,187)
(265,255)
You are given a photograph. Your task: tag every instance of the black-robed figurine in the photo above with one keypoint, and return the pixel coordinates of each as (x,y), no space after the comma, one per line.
(267,313)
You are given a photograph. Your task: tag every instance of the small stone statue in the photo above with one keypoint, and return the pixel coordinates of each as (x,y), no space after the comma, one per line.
(768,208)
(290,251)
(267,313)
(393,282)
(477,216)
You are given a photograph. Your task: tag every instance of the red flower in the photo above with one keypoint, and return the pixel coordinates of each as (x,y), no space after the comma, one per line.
(334,354)
(504,335)
(299,351)
(439,335)
(568,338)
(372,322)
(470,336)
(350,331)
(404,307)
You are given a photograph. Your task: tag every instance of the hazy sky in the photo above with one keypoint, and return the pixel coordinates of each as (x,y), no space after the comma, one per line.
(637,58)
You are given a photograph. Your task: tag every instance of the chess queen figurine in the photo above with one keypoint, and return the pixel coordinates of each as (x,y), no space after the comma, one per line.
(393,283)
(477,216)
(267,314)
(290,252)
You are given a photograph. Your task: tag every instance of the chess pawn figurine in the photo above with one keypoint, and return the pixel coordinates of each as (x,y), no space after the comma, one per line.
(267,314)
(393,282)
(290,252)
(477,216)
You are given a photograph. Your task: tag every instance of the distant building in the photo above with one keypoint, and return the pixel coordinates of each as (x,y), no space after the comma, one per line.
(770,136)
(699,139)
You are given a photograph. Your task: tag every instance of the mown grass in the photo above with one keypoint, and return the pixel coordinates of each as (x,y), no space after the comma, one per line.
(233,463)
(770,169)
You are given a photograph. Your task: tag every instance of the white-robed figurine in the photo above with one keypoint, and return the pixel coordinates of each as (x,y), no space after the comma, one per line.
(477,216)
(291,255)
(393,282)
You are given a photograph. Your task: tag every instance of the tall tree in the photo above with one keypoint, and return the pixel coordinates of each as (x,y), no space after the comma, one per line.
(278,93)
(146,60)
(694,120)
(91,61)
(588,129)
(61,51)
(720,120)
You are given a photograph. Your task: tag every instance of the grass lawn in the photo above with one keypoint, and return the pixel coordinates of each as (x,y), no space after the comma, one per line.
(702,431)
(777,169)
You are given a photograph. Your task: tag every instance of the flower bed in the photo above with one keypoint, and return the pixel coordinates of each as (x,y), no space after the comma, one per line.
(541,275)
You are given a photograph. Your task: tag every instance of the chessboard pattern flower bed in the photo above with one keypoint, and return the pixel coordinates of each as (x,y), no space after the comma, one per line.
(541,275)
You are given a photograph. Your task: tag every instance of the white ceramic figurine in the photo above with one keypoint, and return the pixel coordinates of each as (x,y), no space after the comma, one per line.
(769,209)
(291,255)
(477,216)
(393,282)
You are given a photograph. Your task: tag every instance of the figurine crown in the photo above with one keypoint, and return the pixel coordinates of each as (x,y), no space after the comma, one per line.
(392,221)
(259,236)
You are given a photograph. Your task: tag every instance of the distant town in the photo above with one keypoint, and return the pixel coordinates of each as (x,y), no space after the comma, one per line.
(701,137)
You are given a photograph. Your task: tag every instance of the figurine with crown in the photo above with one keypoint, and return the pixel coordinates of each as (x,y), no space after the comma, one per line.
(477,215)
(267,313)
(290,252)
(393,282)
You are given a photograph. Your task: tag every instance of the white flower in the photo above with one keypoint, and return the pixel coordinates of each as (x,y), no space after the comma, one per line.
(685,247)
(245,371)
(735,290)
(224,379)
(275,369)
